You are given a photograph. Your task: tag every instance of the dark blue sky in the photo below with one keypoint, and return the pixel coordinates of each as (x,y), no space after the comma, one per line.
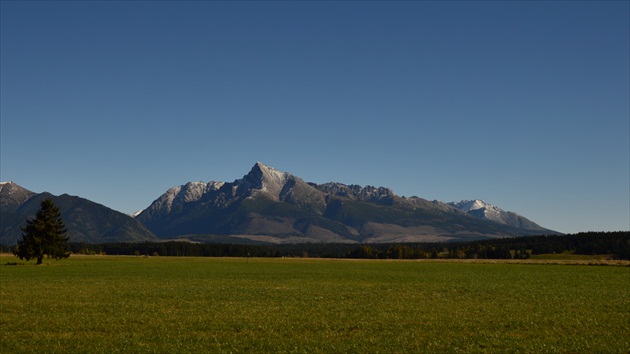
(522,104)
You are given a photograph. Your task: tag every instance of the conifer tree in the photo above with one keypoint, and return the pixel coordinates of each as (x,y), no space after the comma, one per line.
(44,235)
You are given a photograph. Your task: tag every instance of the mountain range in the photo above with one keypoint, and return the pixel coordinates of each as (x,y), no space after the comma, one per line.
(270,206)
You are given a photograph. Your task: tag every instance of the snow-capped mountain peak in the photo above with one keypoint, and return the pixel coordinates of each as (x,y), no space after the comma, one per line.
(485,211)
(265,179)
(6,184)
(476,204)
(187,193)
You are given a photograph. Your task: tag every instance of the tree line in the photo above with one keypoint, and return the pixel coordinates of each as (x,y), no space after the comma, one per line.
(46,234)
(588,243)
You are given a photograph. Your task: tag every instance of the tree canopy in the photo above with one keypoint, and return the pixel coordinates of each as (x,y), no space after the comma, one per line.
(44,235)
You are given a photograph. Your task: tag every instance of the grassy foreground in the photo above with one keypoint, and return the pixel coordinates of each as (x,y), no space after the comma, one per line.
(173,305)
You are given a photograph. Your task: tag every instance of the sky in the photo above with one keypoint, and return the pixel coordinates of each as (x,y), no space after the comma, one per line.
(524,105)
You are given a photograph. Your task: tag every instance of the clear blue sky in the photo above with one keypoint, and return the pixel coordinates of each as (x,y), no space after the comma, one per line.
(522,104)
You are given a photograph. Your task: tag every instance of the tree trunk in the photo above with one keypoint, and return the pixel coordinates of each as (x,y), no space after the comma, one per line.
(39,259)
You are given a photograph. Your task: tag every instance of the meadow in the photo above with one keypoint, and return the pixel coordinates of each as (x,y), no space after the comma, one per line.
(184,304)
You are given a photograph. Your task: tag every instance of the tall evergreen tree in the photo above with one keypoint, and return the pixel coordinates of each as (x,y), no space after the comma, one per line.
(44,235)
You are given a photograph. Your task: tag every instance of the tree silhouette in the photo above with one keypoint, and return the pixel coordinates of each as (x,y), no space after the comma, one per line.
(44,235)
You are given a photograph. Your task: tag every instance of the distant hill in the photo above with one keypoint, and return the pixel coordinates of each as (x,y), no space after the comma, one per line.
(86,221)
(267,205)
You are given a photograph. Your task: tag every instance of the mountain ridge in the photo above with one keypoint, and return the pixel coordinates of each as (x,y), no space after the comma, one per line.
(267,202)
(270,206)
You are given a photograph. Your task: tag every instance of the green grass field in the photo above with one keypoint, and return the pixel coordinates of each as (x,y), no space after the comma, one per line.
(176,305)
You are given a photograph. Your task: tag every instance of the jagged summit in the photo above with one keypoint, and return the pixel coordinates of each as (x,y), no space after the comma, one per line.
(366,193)
(265,179)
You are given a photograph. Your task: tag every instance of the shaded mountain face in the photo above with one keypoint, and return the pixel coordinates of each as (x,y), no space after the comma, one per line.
(85,220)
(267,205)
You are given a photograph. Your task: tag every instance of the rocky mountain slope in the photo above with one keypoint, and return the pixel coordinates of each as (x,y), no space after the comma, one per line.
(86,221)
(485,211)
(12,196)
(267,205)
